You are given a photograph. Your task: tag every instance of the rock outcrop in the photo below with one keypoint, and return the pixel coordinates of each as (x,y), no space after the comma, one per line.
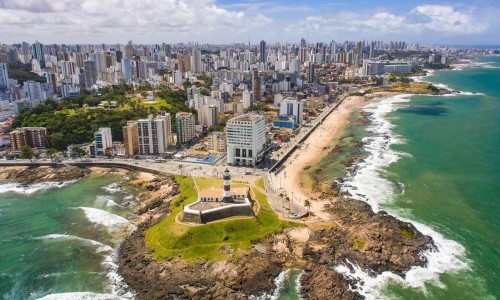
(31,175)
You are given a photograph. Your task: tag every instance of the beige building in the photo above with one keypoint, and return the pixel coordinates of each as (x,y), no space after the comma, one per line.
(131,138)
(216,141)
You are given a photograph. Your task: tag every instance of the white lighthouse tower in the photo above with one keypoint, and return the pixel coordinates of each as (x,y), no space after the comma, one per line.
(227,187)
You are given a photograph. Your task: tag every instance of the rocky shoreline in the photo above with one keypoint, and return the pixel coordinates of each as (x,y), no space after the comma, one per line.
(32,175)
(375,242)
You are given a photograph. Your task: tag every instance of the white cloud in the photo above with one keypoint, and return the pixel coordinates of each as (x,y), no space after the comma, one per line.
(440,20)
(147,21)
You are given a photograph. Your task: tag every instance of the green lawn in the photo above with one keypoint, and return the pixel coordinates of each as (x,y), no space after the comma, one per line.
(169,239)
(157,103)
(260,183)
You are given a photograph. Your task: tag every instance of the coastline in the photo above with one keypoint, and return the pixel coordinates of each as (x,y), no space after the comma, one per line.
(373,241)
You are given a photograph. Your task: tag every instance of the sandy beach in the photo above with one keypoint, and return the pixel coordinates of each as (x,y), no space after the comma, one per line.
(312,151)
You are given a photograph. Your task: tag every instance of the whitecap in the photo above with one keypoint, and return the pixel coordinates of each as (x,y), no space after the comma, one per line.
(100,246)
(82,296)
(113,188)
(280,282)
(111,221)
(33,188)
(364,182)
(105,201)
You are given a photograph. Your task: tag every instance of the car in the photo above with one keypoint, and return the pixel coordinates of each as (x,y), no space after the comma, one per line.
(248,173)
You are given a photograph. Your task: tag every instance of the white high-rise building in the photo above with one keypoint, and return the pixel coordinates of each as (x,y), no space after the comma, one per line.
(103,140)
(247,99)
(292,107)
(155,134)
(245,139)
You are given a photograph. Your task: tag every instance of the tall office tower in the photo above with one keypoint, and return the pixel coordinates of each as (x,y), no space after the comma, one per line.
(185,127)
(302,50)
(35,137)
(4,78)
(372,50)
(196,65)
(89,73)
(129,49)
(155,134)
(127,68)
(103,141)
(333,51)
(255,86)
(311,73)
(131,138)
(262,53)
(37,50)
(359,54)
(245,139)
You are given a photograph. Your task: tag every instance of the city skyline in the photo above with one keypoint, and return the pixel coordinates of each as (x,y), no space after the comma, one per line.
(228,21)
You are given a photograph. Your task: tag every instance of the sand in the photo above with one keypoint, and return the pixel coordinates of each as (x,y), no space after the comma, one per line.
(312,151)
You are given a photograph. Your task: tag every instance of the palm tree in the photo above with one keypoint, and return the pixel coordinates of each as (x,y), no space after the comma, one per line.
(288,200)
(307,204)
(180,166)
(282,201)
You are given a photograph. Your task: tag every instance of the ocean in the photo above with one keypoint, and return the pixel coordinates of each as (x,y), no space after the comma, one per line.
(435,161)
(59,241)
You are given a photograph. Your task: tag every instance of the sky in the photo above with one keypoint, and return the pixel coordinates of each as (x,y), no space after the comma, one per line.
(466,22)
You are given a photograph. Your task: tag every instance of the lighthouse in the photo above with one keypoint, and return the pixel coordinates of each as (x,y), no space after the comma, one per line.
(227,187)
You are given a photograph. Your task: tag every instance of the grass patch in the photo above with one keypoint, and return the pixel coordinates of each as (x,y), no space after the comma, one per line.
(158,103)
(260,183)
(169,239)
(359,244)
(407,234)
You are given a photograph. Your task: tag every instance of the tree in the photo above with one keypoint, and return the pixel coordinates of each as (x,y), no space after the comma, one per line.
(288,200)
(50,153)
(78,152)
(180,168)
(27,152)
(282,201)
(307,204)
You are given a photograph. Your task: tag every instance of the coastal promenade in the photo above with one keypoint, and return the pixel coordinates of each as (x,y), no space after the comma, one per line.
(281,156)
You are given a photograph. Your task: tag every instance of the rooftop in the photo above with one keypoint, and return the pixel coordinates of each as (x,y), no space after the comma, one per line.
(250,117)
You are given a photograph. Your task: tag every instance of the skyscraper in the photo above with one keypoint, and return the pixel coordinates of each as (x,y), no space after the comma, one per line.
(255,86)
(89,73)
(37,50)
(262,53)
(311,72)
(196,64)
(4,78)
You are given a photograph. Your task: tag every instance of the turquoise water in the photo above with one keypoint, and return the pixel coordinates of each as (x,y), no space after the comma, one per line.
(62,239)
(435,161)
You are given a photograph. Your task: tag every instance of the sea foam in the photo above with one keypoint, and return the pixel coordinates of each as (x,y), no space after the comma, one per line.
(100,246)
(31,189)
(82,296)
(364,182)
(111,221)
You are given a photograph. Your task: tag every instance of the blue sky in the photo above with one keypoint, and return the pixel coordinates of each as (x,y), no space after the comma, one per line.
(226,21)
